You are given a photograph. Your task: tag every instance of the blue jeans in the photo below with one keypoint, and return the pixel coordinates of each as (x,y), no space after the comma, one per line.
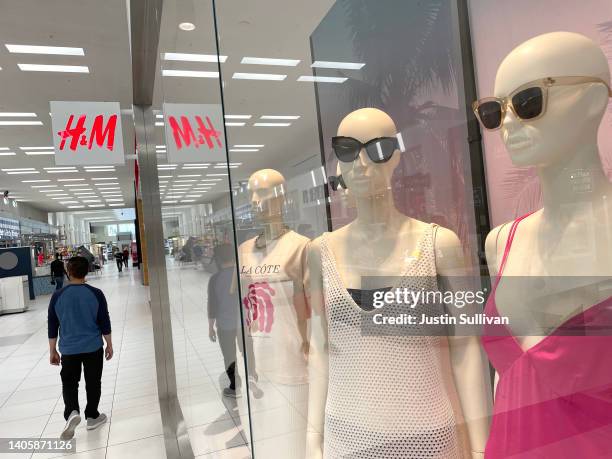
(59,282)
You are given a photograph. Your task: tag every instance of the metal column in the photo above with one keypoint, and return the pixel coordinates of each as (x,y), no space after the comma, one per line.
(175,430)
(145,22)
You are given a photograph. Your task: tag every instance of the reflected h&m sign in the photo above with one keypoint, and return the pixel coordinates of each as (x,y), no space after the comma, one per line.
(87,133)
(194,133)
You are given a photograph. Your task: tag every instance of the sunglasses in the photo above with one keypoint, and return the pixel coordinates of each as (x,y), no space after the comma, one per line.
(528,101)
(379,150)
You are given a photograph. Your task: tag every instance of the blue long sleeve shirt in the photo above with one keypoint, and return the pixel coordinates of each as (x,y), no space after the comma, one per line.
(79,314)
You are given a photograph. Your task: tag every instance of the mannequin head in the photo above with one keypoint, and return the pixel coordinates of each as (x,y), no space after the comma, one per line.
(573,113)
(267,191)
(363,177)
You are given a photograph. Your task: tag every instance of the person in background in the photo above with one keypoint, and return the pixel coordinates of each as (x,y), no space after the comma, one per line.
(119,259)
(126,256)
(79,315)
(58,271)
(223,311)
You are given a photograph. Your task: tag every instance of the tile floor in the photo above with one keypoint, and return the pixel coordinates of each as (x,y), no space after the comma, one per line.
(30,388)
(218,428)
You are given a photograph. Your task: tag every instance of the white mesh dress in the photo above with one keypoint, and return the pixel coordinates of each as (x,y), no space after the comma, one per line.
(387,397)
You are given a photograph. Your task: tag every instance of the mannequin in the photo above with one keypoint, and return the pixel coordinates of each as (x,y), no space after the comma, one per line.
(271,267)
(378,243)
(549,275)
(562,145)
(276,256)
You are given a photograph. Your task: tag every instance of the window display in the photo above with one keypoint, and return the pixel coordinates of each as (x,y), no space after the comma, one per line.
(562,253)
(362,142)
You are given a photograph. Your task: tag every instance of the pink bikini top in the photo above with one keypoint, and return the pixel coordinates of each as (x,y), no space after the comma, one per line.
(555,398)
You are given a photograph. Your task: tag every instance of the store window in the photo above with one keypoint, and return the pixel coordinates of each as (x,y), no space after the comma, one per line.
(350,125)
(403,247)
(363,180)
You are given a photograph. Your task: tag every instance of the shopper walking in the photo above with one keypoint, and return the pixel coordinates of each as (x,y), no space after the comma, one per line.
(58,271)
(126,256)
(119,259)
(80,314)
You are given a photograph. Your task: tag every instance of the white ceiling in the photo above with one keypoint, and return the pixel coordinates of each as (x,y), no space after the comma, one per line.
(101,29)
(276,29)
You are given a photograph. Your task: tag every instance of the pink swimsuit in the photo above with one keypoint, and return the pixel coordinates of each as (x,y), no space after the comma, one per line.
(553,400)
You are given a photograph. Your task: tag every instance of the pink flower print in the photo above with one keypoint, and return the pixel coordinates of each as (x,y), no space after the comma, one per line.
(258,305)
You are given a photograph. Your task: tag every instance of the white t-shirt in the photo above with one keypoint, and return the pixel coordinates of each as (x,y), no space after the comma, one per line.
(275,307)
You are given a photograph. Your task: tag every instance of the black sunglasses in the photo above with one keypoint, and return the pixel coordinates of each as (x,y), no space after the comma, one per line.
(528,101)
(379,150)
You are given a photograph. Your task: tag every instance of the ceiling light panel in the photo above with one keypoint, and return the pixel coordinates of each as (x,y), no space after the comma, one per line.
(55,50)
(272,124)
(270,61)
(7,153)
(238,117)
(53,68)
(258,76)
(190,73)
(337,65)
(189,57)
(321,79)
(280,117)
(21,123)
(17,115)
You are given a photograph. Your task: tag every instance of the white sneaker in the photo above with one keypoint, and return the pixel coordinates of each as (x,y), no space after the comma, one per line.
(71,424)
(94,423)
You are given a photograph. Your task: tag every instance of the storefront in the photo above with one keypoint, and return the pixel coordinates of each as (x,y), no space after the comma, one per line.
(370,229)
(364,165)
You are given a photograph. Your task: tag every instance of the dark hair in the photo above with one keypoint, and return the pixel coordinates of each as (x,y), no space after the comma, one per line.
(57,255)
(78,267)
(224,254)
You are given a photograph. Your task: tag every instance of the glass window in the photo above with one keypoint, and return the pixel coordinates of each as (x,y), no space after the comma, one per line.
(387,226)
(347,123)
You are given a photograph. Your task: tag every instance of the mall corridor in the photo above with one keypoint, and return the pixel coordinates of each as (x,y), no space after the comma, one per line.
(31,401)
